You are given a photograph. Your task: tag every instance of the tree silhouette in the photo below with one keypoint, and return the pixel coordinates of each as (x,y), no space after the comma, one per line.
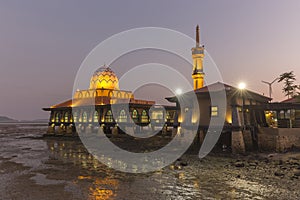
(289,88)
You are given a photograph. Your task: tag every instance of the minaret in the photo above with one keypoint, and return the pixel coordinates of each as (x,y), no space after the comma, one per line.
(198,55)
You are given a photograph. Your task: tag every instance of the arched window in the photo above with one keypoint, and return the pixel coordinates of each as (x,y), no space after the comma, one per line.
(52,117)
(96,116)
(119,94)
(66,117)
(144,117)
(57,117)
(122,116)
(87,94)
(135,115)
(75,116)
(109,116)
(84,117)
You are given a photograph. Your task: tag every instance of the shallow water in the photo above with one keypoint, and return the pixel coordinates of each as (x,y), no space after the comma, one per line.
(32,167)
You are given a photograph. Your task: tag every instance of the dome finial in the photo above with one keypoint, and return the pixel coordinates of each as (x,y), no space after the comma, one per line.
(197,36)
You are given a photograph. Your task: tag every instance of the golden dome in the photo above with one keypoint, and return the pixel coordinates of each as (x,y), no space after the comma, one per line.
(104,78)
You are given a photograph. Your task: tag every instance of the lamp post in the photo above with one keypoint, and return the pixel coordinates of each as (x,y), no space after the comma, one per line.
(242,87)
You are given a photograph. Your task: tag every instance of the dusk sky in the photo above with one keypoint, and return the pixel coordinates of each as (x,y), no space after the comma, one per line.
(43,43)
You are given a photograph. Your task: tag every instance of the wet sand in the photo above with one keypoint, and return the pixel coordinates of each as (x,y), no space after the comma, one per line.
(33,167)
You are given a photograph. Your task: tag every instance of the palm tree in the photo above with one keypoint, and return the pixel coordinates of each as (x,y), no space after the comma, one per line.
(289,88)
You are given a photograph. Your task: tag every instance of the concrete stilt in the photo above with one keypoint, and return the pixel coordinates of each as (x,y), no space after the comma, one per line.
(237,139)
(237,142)
(115,131)
(201,136)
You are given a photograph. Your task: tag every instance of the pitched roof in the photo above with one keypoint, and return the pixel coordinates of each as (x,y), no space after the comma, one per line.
(295,99)
(218,87)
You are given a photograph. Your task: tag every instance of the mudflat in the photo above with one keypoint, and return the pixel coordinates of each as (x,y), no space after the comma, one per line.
(34,167)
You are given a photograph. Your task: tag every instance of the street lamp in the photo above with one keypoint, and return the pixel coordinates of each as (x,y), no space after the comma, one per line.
(178,91)
(242,87)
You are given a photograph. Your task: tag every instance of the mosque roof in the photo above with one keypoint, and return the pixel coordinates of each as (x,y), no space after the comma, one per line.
(105,78)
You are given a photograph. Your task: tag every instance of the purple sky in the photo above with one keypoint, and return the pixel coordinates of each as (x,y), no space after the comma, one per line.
(42,43)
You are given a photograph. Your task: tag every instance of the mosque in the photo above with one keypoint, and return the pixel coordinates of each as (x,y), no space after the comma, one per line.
(246,114)
(92,107)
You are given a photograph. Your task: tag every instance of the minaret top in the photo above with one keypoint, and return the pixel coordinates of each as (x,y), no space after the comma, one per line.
(197,36)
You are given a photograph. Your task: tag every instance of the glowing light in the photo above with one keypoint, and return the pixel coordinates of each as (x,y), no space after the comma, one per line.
(178,91)
(242,86)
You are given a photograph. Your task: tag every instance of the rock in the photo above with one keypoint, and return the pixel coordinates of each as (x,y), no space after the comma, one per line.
(239,164)
(278,173)
(280,162)
(183,163)
(297,172)
(253,164)
(283,168)
(293,162)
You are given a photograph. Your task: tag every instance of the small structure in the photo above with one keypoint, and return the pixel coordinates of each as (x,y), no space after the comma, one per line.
(91,108)
(283,125)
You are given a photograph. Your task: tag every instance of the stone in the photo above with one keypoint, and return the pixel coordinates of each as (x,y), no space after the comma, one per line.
(239,164)
(253,164)
(277,173)
(183,163)
(297,172)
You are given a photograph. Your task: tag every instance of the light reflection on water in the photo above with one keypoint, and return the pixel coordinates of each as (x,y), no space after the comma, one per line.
(112,184)
(66,164)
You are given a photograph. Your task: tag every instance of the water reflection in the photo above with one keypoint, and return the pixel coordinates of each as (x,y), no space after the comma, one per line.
(100,188)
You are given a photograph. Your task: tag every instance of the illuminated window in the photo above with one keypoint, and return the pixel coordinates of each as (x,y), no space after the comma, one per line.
(84,117)
(52,117)
(66,117)
(96,116)
(168,115)
(75,116)
(144,117)
(134,115)
(281,114)
(122,116)
(157,115)
(109,116)
(57,117)
(214,111)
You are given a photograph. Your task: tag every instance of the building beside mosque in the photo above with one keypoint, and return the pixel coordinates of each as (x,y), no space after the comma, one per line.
(91,108)
(233,112)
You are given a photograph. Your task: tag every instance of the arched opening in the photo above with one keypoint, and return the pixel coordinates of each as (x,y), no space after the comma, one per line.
(122,116)
(135,115)
(84,117)
(75,117)
(144,117)
(96,116)
(66,117)
(109,116)
(57,117)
